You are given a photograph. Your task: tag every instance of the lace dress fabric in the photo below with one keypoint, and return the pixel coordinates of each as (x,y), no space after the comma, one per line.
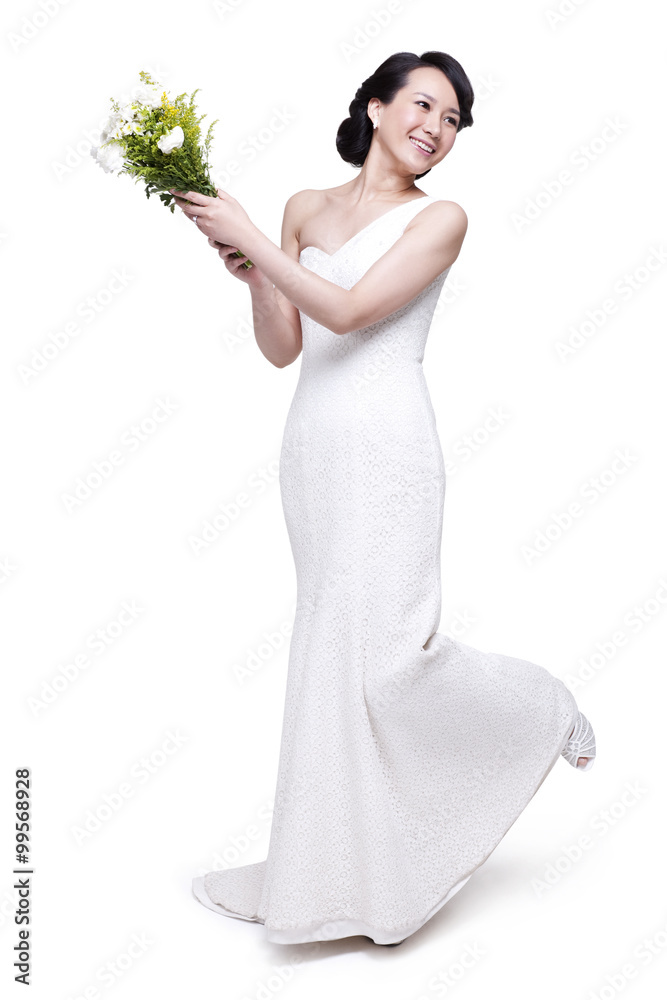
(405,755)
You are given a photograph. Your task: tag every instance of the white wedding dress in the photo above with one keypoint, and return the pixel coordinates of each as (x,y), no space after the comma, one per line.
(405,755)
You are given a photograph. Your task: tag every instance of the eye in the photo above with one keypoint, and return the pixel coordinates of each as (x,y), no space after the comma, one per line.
(447,119)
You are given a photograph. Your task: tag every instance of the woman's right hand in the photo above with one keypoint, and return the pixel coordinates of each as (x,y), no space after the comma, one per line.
(252,276)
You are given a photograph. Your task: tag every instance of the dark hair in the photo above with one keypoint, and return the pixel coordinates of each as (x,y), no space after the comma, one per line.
(353,139)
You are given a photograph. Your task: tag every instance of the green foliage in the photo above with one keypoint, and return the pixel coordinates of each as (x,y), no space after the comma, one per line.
(140,128)
(185,168)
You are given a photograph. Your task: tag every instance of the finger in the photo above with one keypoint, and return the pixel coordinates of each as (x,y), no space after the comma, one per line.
(194,212)
(184,205)
(226,250)
(193,196)
(185,195)
(230,258)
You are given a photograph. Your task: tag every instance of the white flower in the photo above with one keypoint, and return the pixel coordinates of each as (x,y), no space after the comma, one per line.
(110,156)
(127,112)
(172,140)
(148,96)
(127,128)
(110,128)
(120,124)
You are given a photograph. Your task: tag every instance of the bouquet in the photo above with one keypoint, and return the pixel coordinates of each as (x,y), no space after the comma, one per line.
(159,141)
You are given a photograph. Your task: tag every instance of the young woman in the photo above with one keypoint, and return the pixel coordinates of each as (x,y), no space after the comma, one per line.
(405,755)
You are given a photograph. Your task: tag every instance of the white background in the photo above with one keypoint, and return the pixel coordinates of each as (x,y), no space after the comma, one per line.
(547,87)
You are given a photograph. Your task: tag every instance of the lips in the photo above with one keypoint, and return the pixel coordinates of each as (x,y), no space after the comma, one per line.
(412,139)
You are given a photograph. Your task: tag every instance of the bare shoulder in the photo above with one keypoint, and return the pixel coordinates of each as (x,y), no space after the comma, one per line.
(298,207)
(449,214)
(302,200)
(303,203)
(440,227)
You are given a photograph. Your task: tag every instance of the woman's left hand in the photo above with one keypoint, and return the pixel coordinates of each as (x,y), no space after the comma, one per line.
(221,219)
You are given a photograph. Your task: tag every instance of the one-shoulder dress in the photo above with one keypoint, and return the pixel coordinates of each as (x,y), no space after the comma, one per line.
(405,755)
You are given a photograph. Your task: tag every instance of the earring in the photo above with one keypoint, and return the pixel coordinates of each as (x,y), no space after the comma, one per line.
(375,124)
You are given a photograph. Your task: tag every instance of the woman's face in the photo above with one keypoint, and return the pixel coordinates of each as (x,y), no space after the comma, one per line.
(425,109)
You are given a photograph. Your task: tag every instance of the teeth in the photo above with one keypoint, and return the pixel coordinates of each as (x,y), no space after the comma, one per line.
(422,145)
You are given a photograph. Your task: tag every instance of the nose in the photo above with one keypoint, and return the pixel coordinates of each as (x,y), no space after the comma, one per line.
(432,126)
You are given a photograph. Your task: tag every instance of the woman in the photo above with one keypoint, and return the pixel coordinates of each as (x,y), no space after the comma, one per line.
(405,755)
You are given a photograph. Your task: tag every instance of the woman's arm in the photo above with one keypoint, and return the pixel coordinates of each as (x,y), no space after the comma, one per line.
(276,320)
(430,243)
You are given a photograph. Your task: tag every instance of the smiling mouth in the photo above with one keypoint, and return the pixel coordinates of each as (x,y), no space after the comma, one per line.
(424,147)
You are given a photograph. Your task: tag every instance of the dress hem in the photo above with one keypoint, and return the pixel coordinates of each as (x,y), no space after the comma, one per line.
(333,930)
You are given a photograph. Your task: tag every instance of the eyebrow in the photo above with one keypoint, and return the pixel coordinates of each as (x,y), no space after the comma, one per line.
(453,110)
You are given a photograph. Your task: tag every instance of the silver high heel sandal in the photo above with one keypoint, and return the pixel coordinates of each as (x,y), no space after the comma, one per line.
(581,745)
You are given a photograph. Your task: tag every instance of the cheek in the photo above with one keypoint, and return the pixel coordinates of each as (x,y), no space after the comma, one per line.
(447,140)
(407,122)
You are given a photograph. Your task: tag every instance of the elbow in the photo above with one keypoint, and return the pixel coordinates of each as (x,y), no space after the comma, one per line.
(352,324)
(286,360)
(346,316)
(336,324)
(344,322)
